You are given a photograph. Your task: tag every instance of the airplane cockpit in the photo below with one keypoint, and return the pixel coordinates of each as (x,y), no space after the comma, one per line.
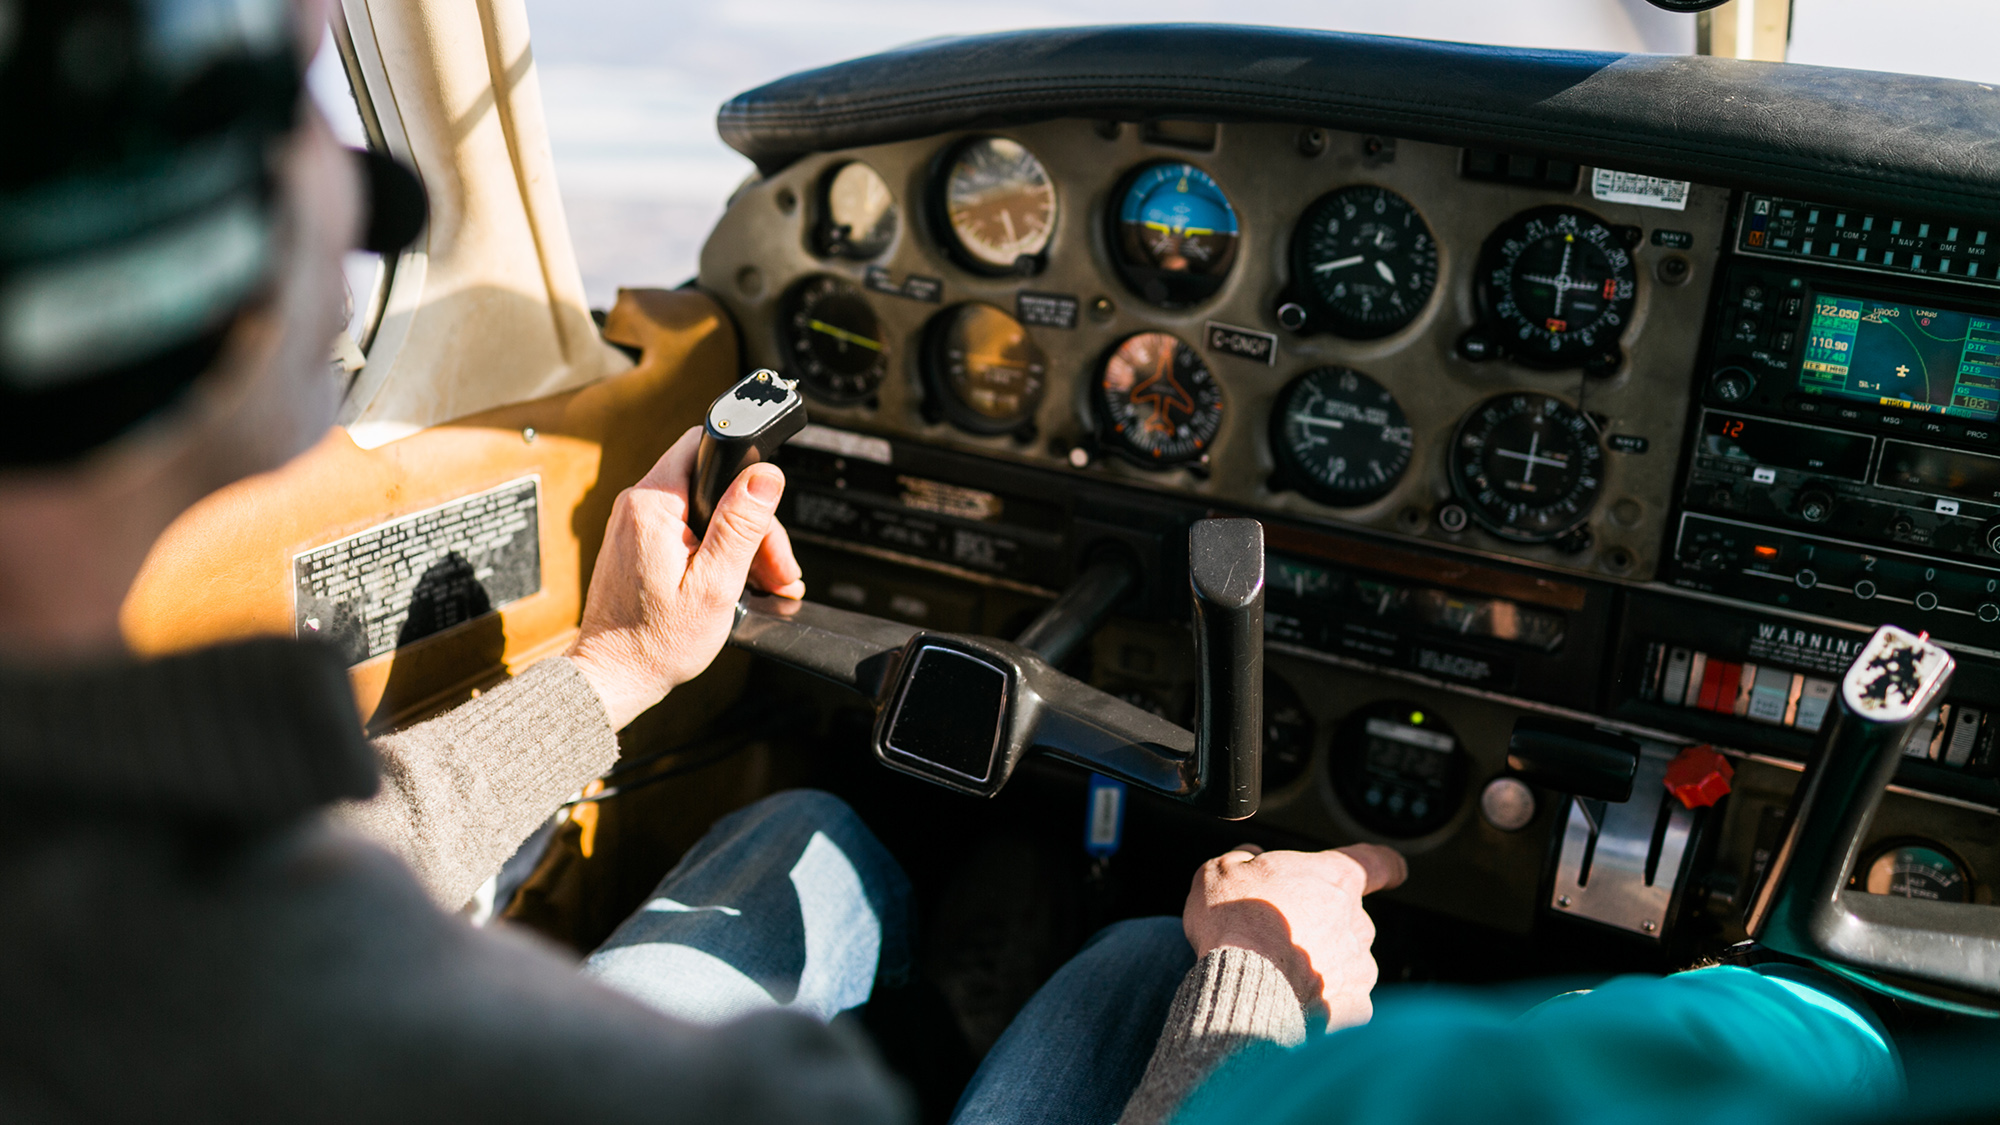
(1207,434)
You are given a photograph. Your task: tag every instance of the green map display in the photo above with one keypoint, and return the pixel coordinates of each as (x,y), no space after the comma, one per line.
(1903,355)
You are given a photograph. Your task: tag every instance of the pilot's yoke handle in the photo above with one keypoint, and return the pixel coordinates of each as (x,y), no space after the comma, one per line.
(1805,907)
(963,711)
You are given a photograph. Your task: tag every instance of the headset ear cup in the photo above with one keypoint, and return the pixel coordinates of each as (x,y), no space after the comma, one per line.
(397,206)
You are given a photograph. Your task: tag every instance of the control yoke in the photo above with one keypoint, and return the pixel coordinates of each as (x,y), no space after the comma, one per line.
(1804,906)
(962,711)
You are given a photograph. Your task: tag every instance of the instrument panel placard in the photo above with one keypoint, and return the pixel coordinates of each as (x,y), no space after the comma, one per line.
(399,582)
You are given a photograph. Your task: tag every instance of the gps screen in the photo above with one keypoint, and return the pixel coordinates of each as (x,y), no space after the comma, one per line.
(1908,356)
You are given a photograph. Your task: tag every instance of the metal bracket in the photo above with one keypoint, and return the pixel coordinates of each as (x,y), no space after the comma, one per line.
(1621,864)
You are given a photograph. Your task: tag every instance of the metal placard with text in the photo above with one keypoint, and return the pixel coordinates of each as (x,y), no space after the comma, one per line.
(376,590)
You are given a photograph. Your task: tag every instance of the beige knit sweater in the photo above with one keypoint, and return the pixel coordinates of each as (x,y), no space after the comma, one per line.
(461,791)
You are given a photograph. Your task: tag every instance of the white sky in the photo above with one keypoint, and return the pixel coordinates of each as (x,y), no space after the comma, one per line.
(631,86)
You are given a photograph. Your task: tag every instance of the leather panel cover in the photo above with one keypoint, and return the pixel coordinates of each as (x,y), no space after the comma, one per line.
(1890,140)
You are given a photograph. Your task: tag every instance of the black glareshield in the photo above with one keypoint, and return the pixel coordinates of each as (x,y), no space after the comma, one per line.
(1804,906)
(963,711)
(745,425)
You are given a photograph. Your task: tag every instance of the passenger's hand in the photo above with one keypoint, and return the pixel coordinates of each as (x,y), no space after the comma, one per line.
(1302,910)
(662,601)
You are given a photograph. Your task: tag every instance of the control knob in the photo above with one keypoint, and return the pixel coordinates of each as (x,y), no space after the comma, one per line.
(1991,537)
(1815,505)
(1731,384)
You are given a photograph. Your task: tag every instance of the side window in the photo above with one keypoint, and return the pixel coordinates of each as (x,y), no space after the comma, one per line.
(329,85)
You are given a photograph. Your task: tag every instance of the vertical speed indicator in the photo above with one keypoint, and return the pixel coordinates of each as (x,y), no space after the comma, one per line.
(1339,437)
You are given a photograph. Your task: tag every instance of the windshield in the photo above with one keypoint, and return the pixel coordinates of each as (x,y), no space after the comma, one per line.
(631,86)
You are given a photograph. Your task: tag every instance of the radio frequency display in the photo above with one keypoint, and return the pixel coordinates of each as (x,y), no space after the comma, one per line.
(1903,355)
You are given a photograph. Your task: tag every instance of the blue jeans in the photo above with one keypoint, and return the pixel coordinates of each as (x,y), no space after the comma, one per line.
(792,902)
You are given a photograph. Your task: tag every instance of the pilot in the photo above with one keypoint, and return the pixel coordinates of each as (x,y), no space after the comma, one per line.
(222,903)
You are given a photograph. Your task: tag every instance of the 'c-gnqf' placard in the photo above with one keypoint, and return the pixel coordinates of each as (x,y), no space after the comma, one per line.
(401,581)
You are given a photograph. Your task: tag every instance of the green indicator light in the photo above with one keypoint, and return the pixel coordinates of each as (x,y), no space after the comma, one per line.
(1416,718)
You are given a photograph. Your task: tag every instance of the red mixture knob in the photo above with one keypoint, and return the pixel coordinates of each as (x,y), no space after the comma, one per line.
(1699,776)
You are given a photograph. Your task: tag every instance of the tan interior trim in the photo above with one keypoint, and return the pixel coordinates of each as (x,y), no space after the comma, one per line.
(223,571)
(493,312)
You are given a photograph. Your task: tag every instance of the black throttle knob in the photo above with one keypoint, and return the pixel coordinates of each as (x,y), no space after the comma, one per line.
(1574,758)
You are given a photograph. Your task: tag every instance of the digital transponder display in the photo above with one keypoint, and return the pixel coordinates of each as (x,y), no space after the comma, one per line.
(1902,355)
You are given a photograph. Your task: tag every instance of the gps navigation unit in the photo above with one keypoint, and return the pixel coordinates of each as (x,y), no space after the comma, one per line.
(1914,357)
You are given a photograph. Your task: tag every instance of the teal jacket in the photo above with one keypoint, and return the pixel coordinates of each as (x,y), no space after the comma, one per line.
(1712,1045)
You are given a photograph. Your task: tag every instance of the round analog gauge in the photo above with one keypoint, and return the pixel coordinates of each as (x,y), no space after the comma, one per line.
(985,372)
(1158,402)
(1366,261)
(999,204)
(1558,284)
(1398,769)
(1340,437)
(1175,234)
(1288,734)
(1528,466)
(832,340)
(858,213)
(1916,871)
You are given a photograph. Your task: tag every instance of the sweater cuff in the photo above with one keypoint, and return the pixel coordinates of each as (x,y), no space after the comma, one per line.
(1231,999)
(461,791)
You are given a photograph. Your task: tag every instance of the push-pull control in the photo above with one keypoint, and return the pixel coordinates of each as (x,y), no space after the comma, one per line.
(1628,841)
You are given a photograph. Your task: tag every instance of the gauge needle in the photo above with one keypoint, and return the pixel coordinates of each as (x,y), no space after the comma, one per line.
(843,335)
(1329,423)
(1340,263)
(1382,268)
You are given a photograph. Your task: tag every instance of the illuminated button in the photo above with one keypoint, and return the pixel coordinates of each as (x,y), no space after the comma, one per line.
(1507,804)
(1927,600)
(1864,589)
(1806,579)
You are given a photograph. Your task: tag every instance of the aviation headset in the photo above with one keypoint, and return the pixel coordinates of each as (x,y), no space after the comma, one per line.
(137,204)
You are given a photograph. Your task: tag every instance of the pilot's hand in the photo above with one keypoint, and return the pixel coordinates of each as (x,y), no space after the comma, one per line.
(662,601)
(1302,910)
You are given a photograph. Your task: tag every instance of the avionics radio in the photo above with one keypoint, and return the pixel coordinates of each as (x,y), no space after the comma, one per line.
(1846,451)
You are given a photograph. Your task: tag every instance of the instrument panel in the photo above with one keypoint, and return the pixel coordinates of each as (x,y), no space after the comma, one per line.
(1327,326)
(1742,428)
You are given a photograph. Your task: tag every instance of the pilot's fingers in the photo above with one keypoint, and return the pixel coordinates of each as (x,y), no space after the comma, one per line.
(1383,867)
(776,570)
(743,516)
(673,473)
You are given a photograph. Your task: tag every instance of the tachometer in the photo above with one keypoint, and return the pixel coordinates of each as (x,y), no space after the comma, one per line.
(1365,261)
(1528,466)
(986,374)
(832,340)
(1557,286)
(1157,401)
(1339,437)
(999,205)
(1175,233)
(857,213)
